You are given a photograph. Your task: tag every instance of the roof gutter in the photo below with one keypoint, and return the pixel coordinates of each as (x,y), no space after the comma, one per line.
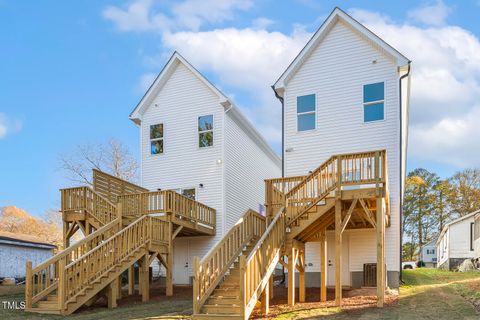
(283,126)
(401,162)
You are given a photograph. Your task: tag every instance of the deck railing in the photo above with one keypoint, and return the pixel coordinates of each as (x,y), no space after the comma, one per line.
(337,172)
(209,271)
(167,202)
(111,187)
(258,266)
(82,199)
(43,279)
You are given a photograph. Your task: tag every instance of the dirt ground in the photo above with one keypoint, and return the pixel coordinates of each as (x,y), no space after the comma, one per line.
(354,301)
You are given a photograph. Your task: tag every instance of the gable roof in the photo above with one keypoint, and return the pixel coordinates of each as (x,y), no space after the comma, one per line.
(336,15)
(223,100)
(24,240)
(448,225)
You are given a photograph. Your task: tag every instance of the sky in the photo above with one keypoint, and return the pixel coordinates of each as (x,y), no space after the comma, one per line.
(71,74)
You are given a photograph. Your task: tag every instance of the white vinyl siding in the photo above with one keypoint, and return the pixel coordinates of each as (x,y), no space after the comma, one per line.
(246,168)
(336,72)
(184,165)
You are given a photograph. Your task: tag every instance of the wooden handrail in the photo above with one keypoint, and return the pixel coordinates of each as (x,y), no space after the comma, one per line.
(100,260)
(43,279)
(167,202)
(257,267)
(209,271)
(86,199)
(338,171)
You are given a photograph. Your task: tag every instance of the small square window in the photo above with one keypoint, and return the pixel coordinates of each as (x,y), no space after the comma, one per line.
(306,122)
(205,131)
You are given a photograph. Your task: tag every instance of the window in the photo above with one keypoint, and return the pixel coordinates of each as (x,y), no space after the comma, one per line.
(306,112)
(205,131)
(156,138)
(373,102)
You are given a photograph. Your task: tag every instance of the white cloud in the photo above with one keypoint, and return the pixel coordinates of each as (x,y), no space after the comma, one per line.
(445,92)
(143,15)
(247,59)
(8,126)
(262,23)
(433,14)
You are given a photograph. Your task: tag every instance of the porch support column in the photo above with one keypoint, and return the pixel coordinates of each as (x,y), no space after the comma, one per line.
(291,276)
(169,266)
(380,253)
(270,287)
(145,278)
(301,276)
(131,280)
(323,265)
(112,292)
(338,253)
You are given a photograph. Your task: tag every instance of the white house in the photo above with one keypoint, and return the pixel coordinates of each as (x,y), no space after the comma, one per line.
(428,254)
(456,242)
(195,140)
(347,91)
(17,249)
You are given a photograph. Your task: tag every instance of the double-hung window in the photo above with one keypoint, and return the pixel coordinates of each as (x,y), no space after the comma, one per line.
(306,112)
(156,138)
(374,102)
(205,131)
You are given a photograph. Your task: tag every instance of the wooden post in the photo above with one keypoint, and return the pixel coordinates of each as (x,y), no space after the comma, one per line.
(270,287)
(66,237)
(196,283)
(264,299)
(291,277)
(119,295)
(112,292)
(145,278)
(169,266)
(338,253)
(61,284)
(380,253)
(28,285)
(242,282)
(131,280)
(323,265)
(301,286)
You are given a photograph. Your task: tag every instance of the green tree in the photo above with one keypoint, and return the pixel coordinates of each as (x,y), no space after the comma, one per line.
(465,197)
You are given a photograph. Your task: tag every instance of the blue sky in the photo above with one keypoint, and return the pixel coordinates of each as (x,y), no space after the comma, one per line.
(71,74)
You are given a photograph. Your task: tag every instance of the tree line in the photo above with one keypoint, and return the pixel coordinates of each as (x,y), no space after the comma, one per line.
(430,202)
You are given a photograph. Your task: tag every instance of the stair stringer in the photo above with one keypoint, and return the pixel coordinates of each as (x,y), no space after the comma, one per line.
(112,275)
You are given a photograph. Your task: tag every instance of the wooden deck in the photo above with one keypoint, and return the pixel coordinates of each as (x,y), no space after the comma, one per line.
(348,191)
(123,224)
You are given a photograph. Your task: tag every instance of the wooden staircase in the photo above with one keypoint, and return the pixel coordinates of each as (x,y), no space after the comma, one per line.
(236,273)
(139,227)
(67,281)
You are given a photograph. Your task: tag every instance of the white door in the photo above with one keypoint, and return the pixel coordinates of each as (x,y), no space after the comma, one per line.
(181,262)
(331,260)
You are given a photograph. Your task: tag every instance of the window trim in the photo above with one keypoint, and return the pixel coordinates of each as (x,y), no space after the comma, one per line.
(180,191)
(364,104)
(204,131)
(156,139)
(314,112)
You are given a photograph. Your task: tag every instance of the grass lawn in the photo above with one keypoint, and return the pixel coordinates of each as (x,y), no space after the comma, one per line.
(426,294)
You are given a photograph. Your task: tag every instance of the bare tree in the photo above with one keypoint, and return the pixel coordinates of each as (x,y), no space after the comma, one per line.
(466,196)
(111,157)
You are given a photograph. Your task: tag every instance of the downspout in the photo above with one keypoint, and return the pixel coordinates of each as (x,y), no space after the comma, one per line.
(400,166)
(283,154)
(283,133)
